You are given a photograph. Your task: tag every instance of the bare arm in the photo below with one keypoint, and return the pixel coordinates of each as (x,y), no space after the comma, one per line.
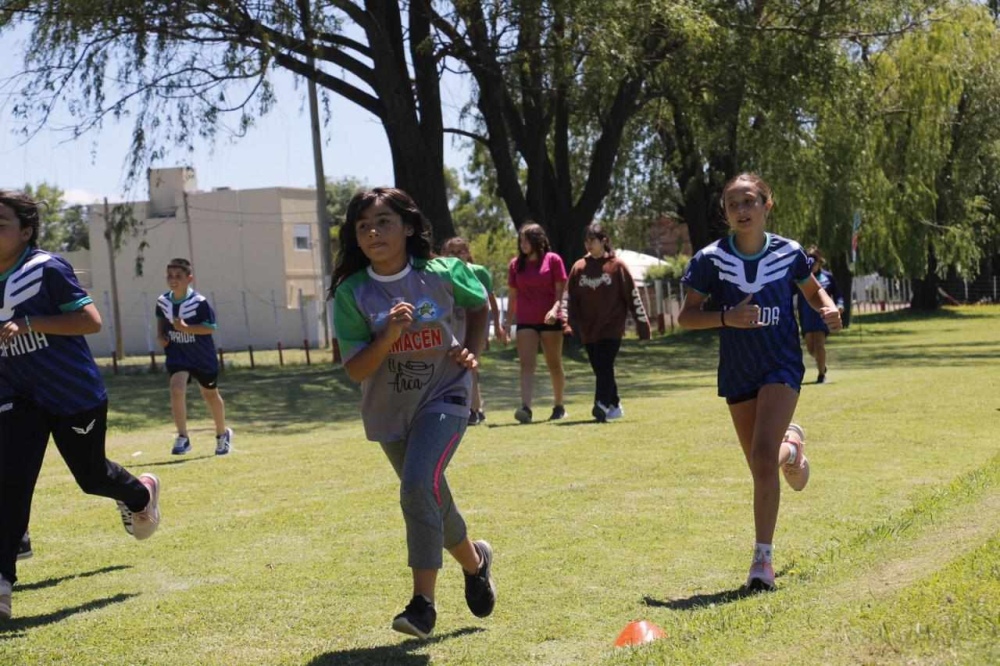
(821,302)
(475,329)
(556,310)
(193,329)
(84,321)
(161,332)
(501,333)
(693,317)
(511,309)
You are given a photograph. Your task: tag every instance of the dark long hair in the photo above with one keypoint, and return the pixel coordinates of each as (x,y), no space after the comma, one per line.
(535,235)
(763,189)
(25,209)
(596,230)
(350,258)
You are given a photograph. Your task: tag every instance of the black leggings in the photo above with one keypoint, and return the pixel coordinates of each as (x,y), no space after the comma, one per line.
(24,434)
(602,360)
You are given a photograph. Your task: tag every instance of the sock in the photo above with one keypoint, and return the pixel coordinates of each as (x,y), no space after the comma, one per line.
(762,552)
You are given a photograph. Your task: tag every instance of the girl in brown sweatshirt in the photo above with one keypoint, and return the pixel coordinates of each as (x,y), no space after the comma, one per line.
(601,294)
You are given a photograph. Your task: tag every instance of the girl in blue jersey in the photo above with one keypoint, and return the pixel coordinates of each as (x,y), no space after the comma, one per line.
(744,285)
(409,327)
(814,329)
(50,385)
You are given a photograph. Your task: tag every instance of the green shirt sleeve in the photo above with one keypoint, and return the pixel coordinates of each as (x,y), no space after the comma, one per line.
(469,291)
(485,277)
(350,325)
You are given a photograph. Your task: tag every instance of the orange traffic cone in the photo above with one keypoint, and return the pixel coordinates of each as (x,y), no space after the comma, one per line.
(639,632)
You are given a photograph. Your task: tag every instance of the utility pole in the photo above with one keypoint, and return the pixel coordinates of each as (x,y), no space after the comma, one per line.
(116,311)
(317,143)
(190,230)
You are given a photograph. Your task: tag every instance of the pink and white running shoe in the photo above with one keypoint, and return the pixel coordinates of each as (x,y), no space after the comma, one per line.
(761,577)
(796,473)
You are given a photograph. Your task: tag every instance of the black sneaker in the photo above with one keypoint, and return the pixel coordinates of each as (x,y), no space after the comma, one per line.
(558,412)
(600,412)
(417,619)
(482,416)
(24,550)
(523,415)
(821,379)
(473,417)
(480,590)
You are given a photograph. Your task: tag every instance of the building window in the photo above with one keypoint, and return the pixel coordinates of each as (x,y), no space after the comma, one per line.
(302,236)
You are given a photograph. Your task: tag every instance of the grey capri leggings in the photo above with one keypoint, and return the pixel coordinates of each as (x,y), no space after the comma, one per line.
(433,522)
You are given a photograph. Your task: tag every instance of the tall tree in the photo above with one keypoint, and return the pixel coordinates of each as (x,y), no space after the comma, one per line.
(179,68)
(61,228)
(748,98)
(555,85)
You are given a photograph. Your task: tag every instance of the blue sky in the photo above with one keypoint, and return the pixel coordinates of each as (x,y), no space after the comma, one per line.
(277,152)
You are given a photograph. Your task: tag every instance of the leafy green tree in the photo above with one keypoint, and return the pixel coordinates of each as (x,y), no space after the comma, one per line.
(186,69)
(929,187)
(61,228)
(475,212)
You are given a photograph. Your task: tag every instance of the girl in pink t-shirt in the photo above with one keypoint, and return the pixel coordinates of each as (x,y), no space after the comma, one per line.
(536,279)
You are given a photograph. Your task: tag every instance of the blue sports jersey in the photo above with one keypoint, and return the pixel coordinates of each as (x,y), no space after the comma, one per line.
(57,372)
(809,319)
(186,350)
(750,358)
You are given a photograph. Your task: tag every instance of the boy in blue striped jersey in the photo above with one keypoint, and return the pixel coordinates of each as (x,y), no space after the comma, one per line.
(50,385)
(744,285)
(185,322)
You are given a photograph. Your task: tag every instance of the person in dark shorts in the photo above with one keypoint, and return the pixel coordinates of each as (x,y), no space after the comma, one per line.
(744,284)
(185,322)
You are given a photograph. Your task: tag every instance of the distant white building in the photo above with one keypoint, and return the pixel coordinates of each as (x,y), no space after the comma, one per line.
(255,255)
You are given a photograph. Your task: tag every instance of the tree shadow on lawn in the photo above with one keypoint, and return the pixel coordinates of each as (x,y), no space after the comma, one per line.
(389,655)
(295,399)
(16,626)
(52,582)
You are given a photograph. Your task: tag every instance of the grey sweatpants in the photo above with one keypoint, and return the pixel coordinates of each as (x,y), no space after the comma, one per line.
(433,522)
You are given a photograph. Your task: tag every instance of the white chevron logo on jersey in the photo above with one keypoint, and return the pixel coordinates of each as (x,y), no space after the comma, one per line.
(772,267)
(22,285)
(187,310)
(165,307)
(84,431)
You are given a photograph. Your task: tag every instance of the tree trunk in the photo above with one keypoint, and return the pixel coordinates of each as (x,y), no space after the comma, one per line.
(925,291)
(844,279)
(411,109)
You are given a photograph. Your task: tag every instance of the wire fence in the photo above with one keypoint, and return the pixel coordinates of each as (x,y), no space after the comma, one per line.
(663,300)
(870,293)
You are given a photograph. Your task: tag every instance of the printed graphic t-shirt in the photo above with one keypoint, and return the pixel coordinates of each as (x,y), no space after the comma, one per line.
(56,372)
(418,375)
(187,350)
(771,277)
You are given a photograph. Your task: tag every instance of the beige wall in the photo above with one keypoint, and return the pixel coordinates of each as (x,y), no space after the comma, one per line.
(244,262)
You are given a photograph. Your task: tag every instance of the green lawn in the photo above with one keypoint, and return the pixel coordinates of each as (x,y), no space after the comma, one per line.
(291,550)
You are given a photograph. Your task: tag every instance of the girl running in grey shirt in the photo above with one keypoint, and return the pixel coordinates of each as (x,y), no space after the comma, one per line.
(409,327)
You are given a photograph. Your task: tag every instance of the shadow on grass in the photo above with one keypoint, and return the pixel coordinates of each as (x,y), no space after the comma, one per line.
(177,461)
(699,601)
(16,626)
(401,654)
(295,399)
(52,582)
(696,601)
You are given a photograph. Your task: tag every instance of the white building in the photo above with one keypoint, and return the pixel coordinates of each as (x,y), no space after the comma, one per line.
(255,255)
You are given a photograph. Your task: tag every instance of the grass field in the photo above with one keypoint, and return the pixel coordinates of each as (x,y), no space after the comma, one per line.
(291,550)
